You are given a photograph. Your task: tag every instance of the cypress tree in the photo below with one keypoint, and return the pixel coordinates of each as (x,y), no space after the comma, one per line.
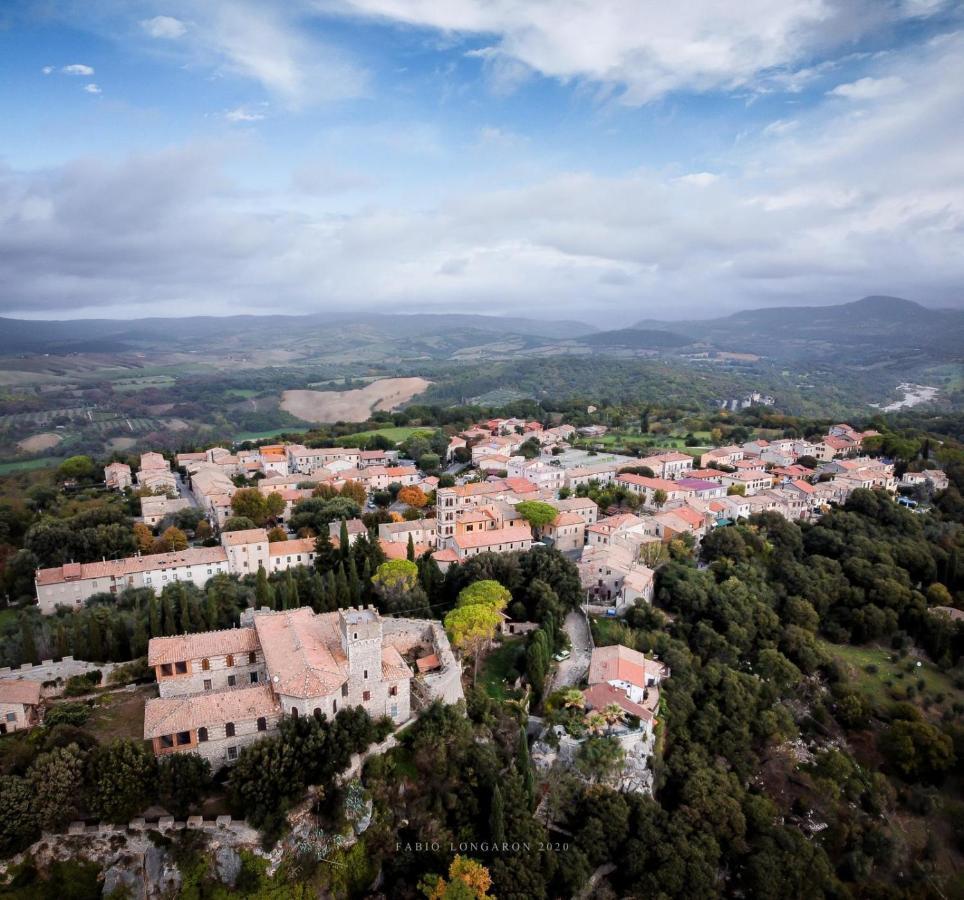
(342,589)
(354,583)
(28,644)
(318,592)
(169,626)
(524,766)
(262,590)
(326,556)
(331,590)
(63,646)
(139,638)
(154,617)
(184,604)
(344,547)
(95,640)
(497,817)
(211,610)
(410,550)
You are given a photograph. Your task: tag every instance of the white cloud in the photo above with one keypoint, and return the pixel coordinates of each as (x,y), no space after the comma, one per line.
(699,179)
(77,69)
(92,88)
(781,127)
(242,114)
(868,88)
(47,70)
(164,27)
(647,49)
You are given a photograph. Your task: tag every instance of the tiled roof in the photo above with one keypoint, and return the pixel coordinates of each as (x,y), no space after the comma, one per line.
(599,696)
(202,645)
(247,536)
(302,651)
(170,715)
(510,534)
(117,568)
(20,691)
(567,518)
(393,666)
(428,663)
(286,548)
(619,663)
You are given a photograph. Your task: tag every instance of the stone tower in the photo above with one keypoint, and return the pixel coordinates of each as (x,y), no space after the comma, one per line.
(361,639)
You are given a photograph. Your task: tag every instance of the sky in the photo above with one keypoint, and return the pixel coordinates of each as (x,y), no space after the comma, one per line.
(604,160)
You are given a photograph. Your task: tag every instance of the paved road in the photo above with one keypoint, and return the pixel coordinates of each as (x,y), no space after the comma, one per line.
(573,670)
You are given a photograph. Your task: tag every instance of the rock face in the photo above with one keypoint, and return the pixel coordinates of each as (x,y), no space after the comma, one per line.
(227,864)
(124,882)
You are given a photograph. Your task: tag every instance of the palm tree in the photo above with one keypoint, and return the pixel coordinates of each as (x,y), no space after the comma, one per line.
(573,699)
(595,722)
(613,714)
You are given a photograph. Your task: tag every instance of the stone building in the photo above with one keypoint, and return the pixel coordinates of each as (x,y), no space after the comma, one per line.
(222,690)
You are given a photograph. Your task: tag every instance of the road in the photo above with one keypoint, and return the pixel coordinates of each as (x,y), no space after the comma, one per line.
(573,670)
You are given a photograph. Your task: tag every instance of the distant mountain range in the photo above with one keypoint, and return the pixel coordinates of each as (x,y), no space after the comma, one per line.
(863,329)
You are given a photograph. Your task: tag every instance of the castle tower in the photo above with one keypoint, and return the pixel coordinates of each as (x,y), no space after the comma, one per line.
(361,639)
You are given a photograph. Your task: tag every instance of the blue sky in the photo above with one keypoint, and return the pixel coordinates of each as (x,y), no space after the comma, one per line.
(565,158)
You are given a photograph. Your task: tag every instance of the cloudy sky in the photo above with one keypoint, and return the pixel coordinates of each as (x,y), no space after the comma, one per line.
(603,159)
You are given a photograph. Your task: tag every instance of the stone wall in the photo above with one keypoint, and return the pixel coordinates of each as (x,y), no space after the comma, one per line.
(406,635)
(48,670)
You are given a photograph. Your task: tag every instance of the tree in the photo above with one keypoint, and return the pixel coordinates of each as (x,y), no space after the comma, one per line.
(77,468)
(121,779)
(537,513)
(56,779)
(18,819)
(263,591)
(468,880)
(429,462)
(354,491)
(471,629)
(736,490)
(238,523)
(395,582)
(600,758)
(326,556)
(524,766)
(412,496)
(659,498)
(144,537)
(251,504)
(497,816)
(28,645)
(277,534)
(172,539)
(488,593)
(182,780)
(917,750)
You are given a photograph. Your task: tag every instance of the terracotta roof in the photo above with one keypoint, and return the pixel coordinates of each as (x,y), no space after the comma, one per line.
(804,486)
(428,663)
(653,484)
(170,715)
(567,518)
(509,534)
(201,645)
(446,555)
(393,666)
(619,663)
(285,548)
(247,536)
(521,485)
(399,549)
(117,568)
(302,651)
(599,696)
(20,691)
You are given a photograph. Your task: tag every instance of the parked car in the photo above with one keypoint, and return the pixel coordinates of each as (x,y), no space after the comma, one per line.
(561,655)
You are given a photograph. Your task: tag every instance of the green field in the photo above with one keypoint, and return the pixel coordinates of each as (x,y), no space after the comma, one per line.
(393,434)
(883,677)
(496,666)
(26,465)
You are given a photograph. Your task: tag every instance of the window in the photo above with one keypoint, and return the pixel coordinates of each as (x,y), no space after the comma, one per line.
(232,680)
(262,724)
(344,689)
(252,658)
(11,717)
(317,712)
(365,674)
(229,660)
(167,669)
(229,729)
(366,696)
(393,712)
(254,677)
(294,712)
(205,665)
(180,668)
(167,741)
(232,752)
(207,684)
(393,690)
(183,737)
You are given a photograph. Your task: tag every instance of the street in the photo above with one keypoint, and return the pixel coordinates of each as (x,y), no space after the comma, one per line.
(571,671)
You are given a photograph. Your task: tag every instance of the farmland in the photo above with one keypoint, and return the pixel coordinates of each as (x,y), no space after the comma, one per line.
(355,405)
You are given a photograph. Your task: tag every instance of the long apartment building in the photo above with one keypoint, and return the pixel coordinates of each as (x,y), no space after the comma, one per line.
(240,553)
(222,690)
